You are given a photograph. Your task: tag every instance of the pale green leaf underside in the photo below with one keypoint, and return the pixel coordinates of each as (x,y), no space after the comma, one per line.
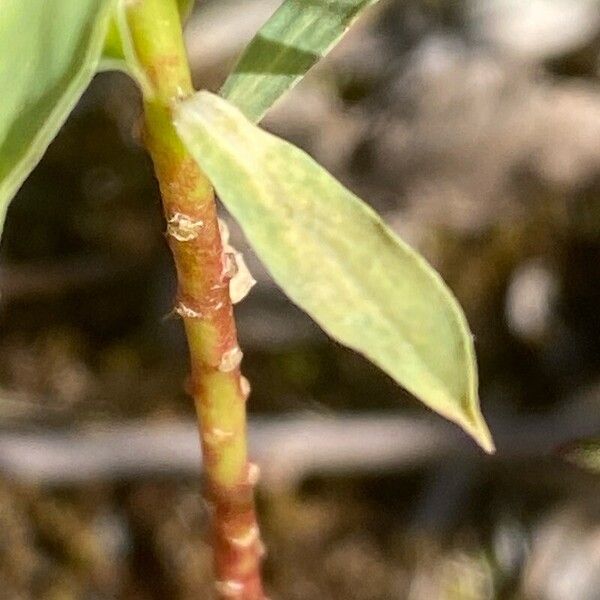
(336,259)
(298,34)
(49,51)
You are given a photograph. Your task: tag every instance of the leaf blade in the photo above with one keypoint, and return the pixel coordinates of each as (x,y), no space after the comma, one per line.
(297,35)
(58,44)
(378,296)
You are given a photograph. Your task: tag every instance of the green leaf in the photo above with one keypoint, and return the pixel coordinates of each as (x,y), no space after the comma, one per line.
(117,54)
(336,259)
(298,34)
(50,50)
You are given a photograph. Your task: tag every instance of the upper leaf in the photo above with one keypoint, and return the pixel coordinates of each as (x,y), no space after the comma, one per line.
(336,259)
(298,34)
(50,50)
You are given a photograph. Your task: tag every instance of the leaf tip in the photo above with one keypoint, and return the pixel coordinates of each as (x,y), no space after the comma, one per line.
(477,428)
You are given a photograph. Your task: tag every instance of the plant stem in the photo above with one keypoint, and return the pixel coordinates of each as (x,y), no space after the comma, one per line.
(203,300)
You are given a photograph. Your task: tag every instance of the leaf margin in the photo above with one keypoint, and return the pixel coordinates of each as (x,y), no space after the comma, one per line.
(14,179)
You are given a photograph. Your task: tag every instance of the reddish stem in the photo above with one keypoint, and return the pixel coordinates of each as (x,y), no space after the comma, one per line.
(203,301)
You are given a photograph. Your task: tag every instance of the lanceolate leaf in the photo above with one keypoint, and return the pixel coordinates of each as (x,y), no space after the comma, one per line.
(298,34)
(336,259)
(49,51)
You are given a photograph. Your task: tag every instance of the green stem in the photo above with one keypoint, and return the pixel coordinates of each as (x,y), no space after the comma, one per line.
(203,300)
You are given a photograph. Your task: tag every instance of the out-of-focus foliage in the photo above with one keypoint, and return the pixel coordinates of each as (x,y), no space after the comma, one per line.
(586,455)
(50,50)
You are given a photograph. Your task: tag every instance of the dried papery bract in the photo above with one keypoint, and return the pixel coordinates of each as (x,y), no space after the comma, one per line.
(182,228)
(235,268)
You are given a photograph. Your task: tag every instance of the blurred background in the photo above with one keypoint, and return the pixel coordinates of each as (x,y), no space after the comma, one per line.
(474,128)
